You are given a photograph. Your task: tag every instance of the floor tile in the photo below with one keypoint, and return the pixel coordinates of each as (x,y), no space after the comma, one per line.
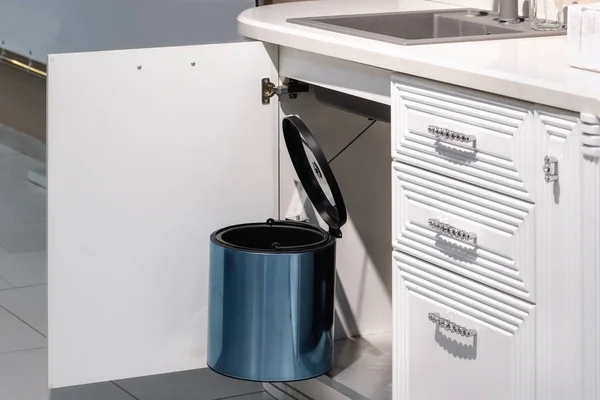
(253,396)
(189,385)
(9,179)
(22,203)
(24,269)
(16,335)
(35,148)
(39,177)
(4,150)
(24,375)
(4,284)
(23,237)
(370,376)
(10,138)
(18,164)
(97,391)
(30,304)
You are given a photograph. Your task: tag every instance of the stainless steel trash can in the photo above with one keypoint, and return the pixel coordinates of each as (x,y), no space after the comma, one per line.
(271,297)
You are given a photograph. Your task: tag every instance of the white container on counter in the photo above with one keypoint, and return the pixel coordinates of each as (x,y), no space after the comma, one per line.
(583,36)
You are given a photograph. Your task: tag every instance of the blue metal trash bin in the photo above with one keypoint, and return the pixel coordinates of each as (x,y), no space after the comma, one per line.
(272,284)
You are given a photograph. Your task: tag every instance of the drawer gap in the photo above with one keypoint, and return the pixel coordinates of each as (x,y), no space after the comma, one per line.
(490,125)
(506,223)
(500,202)
(481,317)
(490,258)
(434,152)
(421,159)
(511,304)
(514,287)
(481,199)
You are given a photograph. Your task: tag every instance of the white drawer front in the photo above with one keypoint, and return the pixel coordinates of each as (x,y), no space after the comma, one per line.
(503,253)
(497,363)
(499,157)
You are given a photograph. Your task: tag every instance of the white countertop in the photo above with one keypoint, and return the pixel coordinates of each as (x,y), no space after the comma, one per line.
(532,69)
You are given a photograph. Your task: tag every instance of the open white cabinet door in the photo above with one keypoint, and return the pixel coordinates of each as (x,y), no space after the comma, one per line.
(149,152)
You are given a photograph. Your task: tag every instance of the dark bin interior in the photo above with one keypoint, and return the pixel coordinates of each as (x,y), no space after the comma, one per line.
(276,237)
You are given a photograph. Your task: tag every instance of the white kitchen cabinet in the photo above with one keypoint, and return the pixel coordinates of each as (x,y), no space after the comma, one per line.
(567,263)
(501,255)
(494,359)
(152,150)
(495,187)
(497,153)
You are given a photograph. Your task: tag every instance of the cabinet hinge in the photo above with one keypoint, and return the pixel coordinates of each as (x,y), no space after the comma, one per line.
(292,88)
(550,168)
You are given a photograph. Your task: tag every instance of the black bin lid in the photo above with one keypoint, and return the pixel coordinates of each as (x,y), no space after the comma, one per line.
(315,174)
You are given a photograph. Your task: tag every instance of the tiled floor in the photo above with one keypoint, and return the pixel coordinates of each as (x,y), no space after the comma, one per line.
(23,315)
(23,311)
(190,385)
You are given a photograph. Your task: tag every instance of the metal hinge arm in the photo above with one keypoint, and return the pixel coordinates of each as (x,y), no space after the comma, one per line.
(292,88)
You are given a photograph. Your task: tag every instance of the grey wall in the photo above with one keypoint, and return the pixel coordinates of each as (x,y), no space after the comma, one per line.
(22,102)
(62,26)
(44,27)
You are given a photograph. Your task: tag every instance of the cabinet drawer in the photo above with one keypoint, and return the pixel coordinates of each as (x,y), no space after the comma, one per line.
(502,254)
(492,359)
(500,130)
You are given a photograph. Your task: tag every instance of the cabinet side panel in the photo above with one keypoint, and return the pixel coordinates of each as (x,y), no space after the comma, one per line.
(590,224)
(400,292)
(559,272)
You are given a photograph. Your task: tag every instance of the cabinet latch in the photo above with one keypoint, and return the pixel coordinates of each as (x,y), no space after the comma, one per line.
(550,168)
(292,88)
(296,218)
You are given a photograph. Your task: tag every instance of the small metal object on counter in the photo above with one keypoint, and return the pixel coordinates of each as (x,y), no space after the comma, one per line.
(450,326)
(509,12)
(451,231)
(450,135)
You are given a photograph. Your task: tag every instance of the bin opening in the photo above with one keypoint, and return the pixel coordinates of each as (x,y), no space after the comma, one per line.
(282,236)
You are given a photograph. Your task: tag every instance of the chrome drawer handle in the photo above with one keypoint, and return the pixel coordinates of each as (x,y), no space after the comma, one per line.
(450,326)
(451,231)
(448,134)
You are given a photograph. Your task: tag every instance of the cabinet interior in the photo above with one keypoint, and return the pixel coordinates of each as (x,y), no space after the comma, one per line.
(357,148)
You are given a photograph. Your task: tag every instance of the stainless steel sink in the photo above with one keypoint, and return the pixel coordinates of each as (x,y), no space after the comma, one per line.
(424,27)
